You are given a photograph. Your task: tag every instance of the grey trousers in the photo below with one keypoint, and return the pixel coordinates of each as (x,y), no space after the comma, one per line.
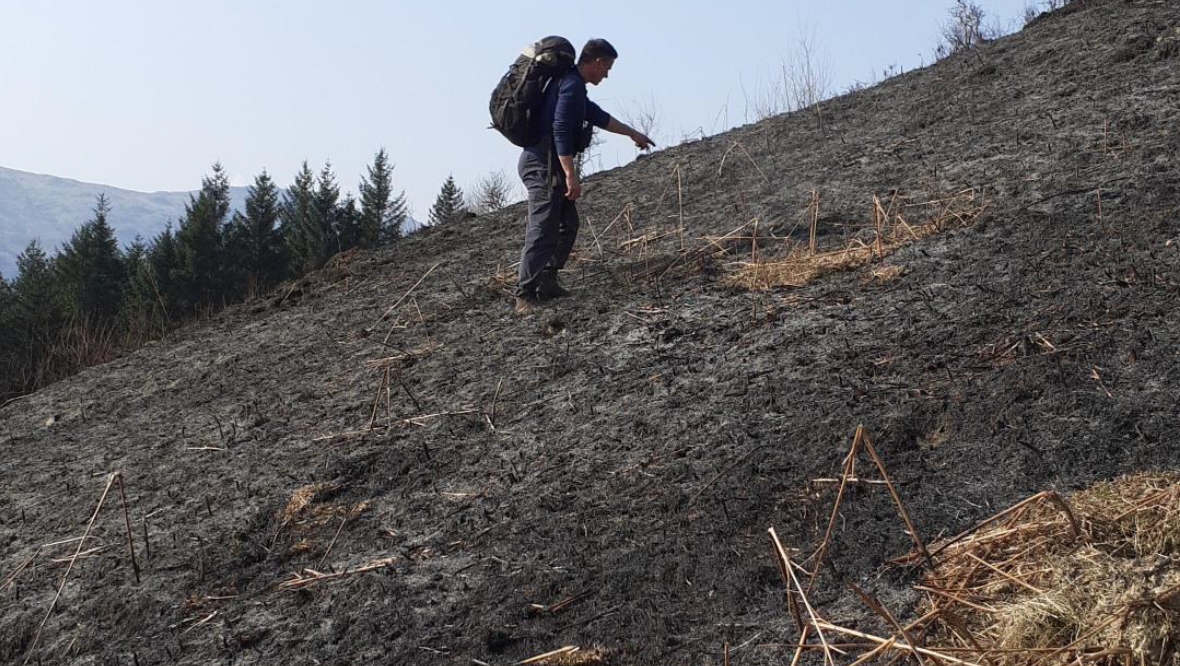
(552,224)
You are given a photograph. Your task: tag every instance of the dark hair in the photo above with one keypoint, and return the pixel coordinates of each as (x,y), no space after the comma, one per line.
(597,48)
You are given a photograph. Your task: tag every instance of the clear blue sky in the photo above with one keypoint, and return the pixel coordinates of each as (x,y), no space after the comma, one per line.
(146,95)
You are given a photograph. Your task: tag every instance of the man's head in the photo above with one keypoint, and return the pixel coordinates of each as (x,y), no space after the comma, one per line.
(598,56)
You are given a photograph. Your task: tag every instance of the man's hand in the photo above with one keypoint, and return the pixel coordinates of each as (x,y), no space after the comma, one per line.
(641,140)
(573,188)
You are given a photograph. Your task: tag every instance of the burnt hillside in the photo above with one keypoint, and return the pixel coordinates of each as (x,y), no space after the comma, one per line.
(603,473)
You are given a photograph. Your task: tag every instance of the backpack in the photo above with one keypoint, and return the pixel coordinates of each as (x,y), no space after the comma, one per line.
(516,100)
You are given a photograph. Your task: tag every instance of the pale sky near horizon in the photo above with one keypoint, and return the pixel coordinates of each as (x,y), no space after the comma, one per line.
(147,95)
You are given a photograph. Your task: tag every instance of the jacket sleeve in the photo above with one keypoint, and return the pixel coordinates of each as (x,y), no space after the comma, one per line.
(596,116)
(569,115)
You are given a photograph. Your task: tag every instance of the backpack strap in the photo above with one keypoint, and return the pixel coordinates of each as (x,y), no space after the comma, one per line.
(550,177)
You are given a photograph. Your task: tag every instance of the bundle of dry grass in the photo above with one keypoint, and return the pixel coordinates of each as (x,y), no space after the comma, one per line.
(800,267)
(308,511)
(887,232)
(304,497)
(1046,584)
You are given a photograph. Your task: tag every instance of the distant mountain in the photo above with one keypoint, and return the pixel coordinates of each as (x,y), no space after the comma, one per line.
(49,209)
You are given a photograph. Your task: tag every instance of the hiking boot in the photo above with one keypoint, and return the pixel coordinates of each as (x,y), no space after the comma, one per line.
(550,287)
(525,304)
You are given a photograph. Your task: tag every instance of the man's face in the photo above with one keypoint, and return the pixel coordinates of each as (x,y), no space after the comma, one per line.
(599,69)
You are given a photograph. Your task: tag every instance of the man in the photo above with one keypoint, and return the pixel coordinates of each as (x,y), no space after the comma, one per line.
(550,175)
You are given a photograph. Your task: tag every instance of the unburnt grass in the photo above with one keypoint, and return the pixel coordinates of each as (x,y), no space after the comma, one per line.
(1090,578)
(888,232)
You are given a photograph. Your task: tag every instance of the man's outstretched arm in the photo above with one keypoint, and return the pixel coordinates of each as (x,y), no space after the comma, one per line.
(616,126)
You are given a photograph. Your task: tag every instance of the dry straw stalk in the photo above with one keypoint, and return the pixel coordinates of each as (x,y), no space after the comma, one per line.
(887,231)
(1049,582)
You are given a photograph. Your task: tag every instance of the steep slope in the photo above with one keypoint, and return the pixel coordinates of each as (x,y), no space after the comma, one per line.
(603,473)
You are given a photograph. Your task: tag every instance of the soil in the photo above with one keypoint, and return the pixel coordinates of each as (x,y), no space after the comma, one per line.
(602,473)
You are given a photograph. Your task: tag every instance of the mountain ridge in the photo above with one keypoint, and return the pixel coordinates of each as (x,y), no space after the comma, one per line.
(49,208)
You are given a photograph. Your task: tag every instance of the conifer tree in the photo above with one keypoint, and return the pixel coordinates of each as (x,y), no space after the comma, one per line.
(139,299)
(8,342)
(348,224)
(161,278)
(235,245)
(382,214)
(255,242)
(200,244)
(35,313)
(5,295)
(448,207)
(395,219)
(91,273)
(326,214)
(301,235)
(134,255)
(36,293)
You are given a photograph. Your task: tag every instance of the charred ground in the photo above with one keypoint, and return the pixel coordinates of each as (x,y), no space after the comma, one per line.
(628,448)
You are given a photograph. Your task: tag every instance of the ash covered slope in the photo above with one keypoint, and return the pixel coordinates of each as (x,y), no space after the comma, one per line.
(627,449)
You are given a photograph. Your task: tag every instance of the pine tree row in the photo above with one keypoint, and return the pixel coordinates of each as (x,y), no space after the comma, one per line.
(81,307)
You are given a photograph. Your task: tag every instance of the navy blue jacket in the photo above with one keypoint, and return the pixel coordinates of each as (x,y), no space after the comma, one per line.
(566,110)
